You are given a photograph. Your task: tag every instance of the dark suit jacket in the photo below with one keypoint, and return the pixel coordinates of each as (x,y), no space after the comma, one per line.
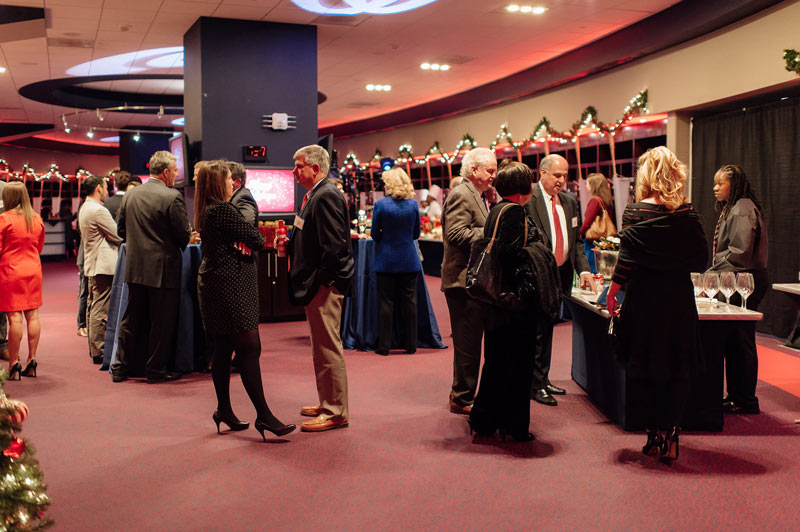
(152,220)
(320,252)
(538,210)
(113,203)
(244,201)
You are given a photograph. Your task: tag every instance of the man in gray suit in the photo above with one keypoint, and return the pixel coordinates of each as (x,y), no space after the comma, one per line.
(551,206)
(463,218)
(152,221)
(100,243)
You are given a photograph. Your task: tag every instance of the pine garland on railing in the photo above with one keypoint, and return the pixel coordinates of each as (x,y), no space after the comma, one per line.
(792,58)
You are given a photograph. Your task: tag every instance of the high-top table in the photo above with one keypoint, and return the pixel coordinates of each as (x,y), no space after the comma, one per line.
(793,291)
(360,314)
(189,334)
(606,382)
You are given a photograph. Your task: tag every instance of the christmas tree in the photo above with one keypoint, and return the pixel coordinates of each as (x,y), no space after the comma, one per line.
(23,500)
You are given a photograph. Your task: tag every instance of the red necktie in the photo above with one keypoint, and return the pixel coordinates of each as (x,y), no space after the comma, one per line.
(559,251)
(305,200)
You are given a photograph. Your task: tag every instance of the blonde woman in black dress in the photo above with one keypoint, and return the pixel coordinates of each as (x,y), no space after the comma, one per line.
(661,243)
(226,287)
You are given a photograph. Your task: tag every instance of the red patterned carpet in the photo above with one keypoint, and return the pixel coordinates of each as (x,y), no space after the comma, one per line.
(137,457)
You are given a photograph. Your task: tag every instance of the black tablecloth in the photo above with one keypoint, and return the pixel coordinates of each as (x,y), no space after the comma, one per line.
(189,336)
(360,314)
(432,255)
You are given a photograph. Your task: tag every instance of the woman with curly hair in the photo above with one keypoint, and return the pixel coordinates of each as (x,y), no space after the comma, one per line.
(395,227)
(661,243)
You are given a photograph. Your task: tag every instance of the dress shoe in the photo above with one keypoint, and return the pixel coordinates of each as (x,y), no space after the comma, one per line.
(411,351)
(311,411)
(321,424)
(726,400)
(15,369)
(543,396)
(383,352)
(118,377)
(97,360)
(167,377)
(229,419)
(82,331)
(276,427)
(460,409)
(555,390)
(30,368)
(733,408)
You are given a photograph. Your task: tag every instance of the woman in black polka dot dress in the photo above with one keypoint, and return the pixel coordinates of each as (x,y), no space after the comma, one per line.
(227,288)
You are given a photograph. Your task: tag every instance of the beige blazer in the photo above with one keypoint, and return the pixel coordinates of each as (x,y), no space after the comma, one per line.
(100,239)
(463,219)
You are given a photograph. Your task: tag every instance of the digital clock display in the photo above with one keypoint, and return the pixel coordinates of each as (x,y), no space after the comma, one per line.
(254,154)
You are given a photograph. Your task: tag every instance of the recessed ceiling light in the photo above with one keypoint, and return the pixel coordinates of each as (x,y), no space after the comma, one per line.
(378,88)
(371,87)
(425,66)
(2,69)
(444,67)
(536,10)
(539,10)
(436,66)
(525,9)
(513,8)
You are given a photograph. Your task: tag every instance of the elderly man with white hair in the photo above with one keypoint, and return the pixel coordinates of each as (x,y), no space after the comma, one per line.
(464,216)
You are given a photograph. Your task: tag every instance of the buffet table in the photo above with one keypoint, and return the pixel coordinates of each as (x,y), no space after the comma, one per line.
(604,379)
(793,291)
(432,254)
(360,314)
(190,335)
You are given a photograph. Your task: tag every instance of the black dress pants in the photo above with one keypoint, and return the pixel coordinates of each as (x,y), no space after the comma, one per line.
(397,291)
(467,322)
(151,315)
(543,349)
(503,401)
(739,349)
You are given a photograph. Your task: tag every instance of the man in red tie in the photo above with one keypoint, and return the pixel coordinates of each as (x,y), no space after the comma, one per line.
(555,213)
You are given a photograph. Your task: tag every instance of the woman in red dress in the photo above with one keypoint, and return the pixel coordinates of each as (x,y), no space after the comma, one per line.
(21,241)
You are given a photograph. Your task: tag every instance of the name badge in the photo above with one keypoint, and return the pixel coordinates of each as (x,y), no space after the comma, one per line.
(574,222)
(298,222)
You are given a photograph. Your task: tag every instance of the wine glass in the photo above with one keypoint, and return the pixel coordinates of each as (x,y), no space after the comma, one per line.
(727,285)
(711,284)
(697,282)
(745,286)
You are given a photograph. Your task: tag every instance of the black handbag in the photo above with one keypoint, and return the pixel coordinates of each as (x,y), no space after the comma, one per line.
(485,274)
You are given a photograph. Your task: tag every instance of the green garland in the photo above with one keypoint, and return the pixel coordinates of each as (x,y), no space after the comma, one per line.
(792,58)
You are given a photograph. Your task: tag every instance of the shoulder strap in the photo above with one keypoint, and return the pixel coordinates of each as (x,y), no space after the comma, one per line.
(496,223)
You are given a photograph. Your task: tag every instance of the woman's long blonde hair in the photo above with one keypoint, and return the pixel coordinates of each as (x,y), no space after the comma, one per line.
(15,196)
(598,186)
(398,184)
(661,176)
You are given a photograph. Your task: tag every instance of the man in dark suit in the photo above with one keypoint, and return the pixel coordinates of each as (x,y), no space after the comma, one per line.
(152,221)
(242,198)
(321,272)
(463,218)
(122,182)
(555,213)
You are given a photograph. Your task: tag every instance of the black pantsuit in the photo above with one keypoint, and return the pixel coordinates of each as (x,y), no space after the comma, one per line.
(151,315)
(397,291)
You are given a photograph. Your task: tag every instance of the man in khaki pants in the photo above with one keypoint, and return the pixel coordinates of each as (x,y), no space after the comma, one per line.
(320,274)
(100,248)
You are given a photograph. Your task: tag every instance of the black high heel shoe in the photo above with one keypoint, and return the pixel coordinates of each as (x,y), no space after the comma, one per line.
(655,441)
(517,437)
(230,420)
(277,430)
(669,449)
(30,367)
(16,368)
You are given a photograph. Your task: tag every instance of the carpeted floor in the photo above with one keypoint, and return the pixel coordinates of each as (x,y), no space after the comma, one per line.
(136,457)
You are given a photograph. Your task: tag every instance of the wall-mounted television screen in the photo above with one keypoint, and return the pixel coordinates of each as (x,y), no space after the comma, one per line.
(272,188)
(178,146)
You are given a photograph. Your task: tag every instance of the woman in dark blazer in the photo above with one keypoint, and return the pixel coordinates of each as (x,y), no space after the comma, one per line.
(226,287)
(661,243)
(503,399)
(395,227)
(740,245)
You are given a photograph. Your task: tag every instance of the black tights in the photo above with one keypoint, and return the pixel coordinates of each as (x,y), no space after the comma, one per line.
(247,346)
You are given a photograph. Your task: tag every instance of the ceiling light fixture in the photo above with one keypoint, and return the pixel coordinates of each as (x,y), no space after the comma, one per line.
(536,10)
(371,87)
(136,137)
(2,69)
(444,68)
(67,130)
(99,115)
(513,8)
(90,133)
(539,10)
(160,111)
(378,88)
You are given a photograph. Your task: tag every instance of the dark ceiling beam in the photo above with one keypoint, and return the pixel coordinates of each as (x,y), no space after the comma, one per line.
(677,24)
(18,23)
(10,131)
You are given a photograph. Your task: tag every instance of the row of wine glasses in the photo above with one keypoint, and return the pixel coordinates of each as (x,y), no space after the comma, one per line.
(726,283)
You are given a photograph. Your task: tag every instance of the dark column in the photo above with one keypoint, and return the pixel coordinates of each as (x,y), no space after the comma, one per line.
(235,71)
(135,154)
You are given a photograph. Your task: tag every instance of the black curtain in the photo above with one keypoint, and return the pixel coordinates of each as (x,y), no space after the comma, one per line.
(765,141)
